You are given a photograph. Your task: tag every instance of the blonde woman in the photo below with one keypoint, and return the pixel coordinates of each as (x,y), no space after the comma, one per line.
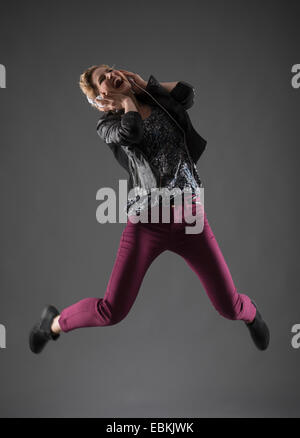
(148,129)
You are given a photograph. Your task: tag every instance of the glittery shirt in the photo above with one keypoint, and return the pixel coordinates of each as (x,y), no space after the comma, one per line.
(163,146)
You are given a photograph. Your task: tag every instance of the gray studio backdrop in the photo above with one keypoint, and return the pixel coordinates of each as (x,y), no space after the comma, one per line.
(173,355)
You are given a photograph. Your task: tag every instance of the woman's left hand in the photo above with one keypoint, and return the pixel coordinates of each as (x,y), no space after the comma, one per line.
(137,78)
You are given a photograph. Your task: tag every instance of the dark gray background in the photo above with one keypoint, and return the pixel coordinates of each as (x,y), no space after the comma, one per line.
(173,355)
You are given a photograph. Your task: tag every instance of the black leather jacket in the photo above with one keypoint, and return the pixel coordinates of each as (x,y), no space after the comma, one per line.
(124,131)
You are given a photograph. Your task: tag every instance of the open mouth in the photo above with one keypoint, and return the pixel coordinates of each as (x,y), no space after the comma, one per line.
(117,82)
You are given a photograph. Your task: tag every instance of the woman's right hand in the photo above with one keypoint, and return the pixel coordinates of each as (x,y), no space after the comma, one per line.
(112,101)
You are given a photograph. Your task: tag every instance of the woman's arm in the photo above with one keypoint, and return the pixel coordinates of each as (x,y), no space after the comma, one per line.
(181,91)
(184,93)
(127,130)
(169,85)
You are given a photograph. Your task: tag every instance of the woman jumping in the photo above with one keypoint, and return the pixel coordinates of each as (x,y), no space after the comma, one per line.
(148,129)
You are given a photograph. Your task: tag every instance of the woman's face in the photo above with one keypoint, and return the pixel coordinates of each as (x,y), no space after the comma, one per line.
(107,79)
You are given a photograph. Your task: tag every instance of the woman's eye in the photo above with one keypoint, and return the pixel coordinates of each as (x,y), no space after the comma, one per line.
(102,77)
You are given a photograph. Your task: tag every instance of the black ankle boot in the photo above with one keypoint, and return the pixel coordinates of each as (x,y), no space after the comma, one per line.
(41,333)
(259,330)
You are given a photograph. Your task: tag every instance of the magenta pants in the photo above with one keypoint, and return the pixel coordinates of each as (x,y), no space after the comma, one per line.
(140,244)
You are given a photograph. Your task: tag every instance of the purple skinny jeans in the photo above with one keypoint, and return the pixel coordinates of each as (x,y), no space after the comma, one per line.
(140,244)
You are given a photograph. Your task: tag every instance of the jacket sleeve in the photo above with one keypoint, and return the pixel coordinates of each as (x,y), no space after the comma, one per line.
(184,93)
(127,131)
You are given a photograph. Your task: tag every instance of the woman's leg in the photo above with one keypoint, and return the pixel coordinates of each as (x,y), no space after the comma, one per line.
(202,253)
(139,246)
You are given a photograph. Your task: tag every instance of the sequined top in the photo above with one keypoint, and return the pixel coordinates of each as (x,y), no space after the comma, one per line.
(165,152)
